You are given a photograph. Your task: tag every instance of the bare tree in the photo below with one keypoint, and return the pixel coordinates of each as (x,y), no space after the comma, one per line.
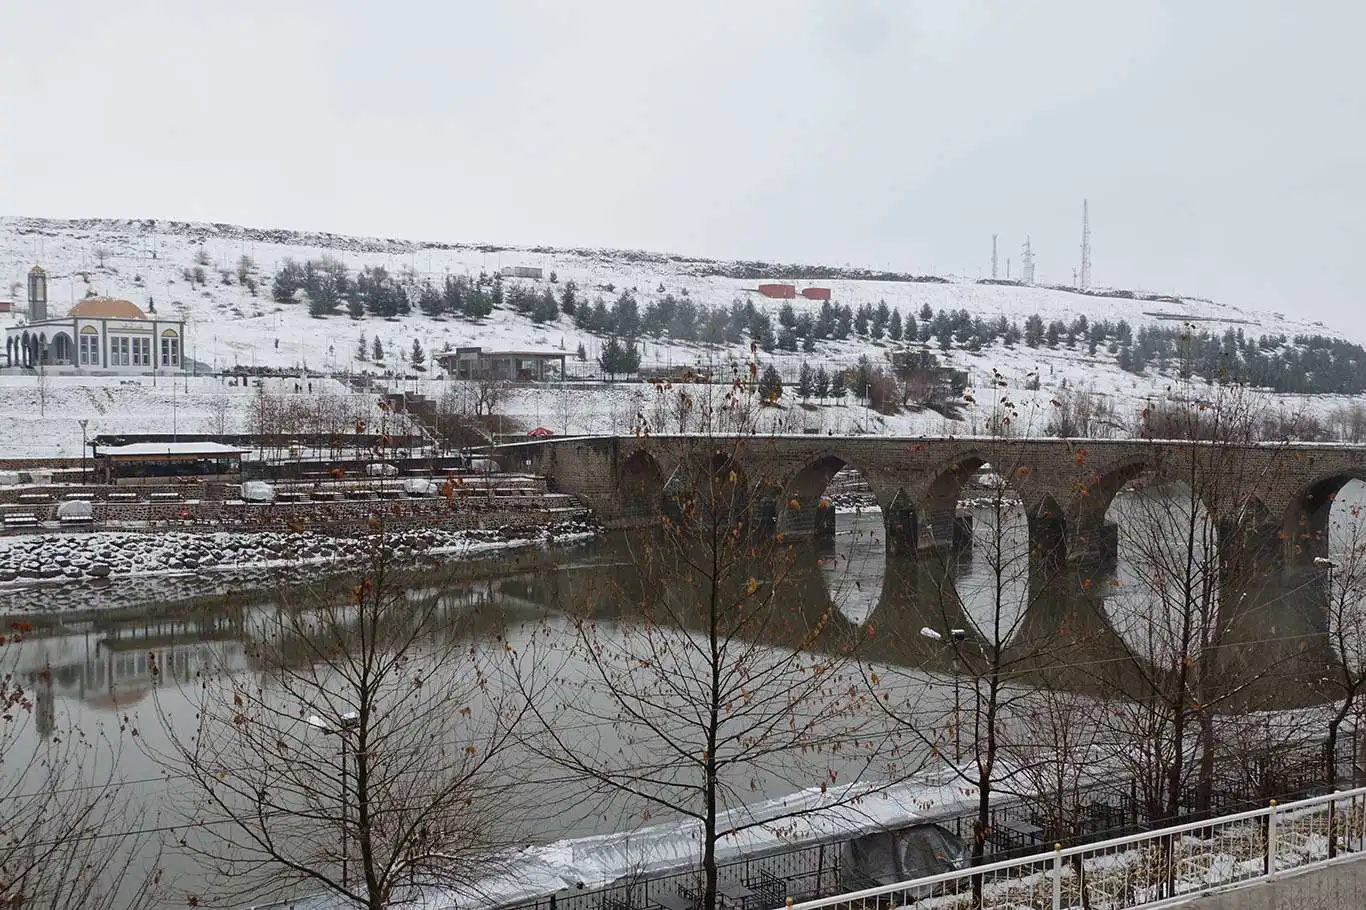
(220,410)
(727,682)
(986,585)
(366,756)
(69,833)
(1191,572)
(1344,571)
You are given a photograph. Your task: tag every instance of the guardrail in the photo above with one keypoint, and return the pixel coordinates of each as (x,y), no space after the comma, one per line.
(1147,870)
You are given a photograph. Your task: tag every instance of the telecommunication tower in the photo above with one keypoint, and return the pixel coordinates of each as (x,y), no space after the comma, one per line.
(1027,262)
(1085,246)
(993,257)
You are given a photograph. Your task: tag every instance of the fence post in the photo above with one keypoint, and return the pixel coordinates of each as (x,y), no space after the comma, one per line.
(1332,829)
(1271,841)
(1057,876)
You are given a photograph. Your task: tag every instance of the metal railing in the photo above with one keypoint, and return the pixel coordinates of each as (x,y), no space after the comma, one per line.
(1142,870)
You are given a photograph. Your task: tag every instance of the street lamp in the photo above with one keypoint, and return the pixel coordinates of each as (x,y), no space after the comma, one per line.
(957,635)
(346,723)
(85,475)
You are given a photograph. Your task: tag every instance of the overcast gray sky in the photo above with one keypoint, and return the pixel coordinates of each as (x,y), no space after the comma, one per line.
(1220,143)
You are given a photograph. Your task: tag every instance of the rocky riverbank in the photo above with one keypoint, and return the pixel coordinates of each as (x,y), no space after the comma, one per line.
(36,561)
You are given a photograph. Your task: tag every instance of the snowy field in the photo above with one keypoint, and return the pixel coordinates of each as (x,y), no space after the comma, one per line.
(227,326)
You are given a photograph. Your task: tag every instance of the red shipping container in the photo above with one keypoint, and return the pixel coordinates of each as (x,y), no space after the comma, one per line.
(779,291)
(816,293)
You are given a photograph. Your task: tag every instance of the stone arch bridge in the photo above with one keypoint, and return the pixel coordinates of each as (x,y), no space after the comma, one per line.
(1272,497)
(1270,502)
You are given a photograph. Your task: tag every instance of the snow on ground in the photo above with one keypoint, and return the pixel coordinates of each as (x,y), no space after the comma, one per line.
(227,326)
(40,418)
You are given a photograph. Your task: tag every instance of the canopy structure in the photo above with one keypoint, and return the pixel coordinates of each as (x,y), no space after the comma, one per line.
(157,462)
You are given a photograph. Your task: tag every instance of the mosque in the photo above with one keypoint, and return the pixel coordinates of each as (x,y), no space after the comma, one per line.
(99,334)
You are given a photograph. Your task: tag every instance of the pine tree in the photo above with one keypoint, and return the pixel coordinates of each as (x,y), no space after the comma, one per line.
(861,320)
(431,302)
(581,353)
(806,382)
(894,326)
(452,297)
(417,355)
(478,304)
(378,350)
(880,317)
(770,384)
(545,308)
(288,280)
(610,360)
(355,307)
(1033,330)
(362,349)
(569,299)
(837,387)
(822,384)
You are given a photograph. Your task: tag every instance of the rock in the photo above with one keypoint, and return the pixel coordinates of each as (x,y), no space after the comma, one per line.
(98,570)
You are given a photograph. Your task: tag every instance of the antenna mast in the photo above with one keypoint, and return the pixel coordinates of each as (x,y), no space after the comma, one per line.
(1085,245)
(1027,262)
(993,257)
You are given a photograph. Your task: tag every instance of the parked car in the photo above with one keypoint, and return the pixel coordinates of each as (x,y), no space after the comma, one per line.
(381,469)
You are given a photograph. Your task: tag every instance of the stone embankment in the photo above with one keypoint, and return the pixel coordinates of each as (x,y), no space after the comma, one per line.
(36,559)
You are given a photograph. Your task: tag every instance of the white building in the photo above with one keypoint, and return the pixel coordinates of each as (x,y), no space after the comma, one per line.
(100,334)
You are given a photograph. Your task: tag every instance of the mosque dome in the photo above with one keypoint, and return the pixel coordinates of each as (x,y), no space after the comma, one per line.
(107,308)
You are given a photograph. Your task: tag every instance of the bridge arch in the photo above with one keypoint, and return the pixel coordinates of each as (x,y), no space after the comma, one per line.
(803,508)
(1307,524)
(713,487)
(640,484)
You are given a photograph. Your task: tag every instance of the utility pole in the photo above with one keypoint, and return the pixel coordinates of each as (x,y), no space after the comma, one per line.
(1085,245)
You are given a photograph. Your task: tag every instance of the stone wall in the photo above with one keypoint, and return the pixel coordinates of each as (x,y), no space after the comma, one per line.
(342,517)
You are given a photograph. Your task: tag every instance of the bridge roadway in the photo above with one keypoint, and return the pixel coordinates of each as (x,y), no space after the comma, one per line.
(1270,502)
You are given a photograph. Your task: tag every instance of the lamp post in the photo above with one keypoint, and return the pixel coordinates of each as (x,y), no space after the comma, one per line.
(85,474)
(345,724)
(957,635)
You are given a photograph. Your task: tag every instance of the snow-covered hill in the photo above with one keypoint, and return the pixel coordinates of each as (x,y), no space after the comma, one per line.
(228,325)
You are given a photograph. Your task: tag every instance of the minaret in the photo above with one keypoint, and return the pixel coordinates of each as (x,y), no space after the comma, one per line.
(37,294)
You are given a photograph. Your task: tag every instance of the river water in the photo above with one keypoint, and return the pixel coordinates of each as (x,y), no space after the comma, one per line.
(102,680)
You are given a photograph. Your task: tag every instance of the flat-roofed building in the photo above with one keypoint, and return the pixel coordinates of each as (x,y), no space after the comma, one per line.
(511,366)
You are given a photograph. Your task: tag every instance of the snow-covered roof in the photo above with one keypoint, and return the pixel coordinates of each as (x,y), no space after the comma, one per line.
(183,449)
(519,352)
